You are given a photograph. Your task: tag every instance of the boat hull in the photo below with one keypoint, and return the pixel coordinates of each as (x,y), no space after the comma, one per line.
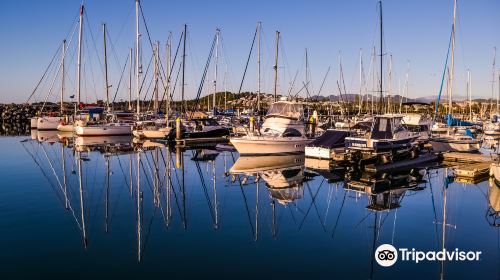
(455,146)
(33,122)
(66,127)
(103,130)
(48,123)
(269,146)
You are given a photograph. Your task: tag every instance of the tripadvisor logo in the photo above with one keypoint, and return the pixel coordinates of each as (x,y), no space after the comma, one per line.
(386,255)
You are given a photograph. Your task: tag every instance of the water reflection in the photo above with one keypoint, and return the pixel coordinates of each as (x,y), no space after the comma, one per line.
(151,189)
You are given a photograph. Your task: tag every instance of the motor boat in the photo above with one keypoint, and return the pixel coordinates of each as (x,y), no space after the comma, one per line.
(204,128)
(282,132)
(388,140)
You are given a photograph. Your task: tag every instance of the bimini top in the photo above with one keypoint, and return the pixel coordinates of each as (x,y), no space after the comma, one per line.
(286,109)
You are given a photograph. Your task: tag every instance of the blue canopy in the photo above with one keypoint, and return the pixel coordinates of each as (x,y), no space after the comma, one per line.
(456,122)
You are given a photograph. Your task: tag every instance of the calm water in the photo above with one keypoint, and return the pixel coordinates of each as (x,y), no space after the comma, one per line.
(275,218)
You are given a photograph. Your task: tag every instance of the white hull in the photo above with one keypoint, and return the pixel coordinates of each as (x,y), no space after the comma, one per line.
(48,123)
(152,134)
(439,146)
(251,165)
(492,132)
(269,146)
(103,130)
(495,171)
(66,127)
(33,122)
(318,152)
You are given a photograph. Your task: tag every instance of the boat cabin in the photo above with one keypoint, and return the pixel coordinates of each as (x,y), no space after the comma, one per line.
(386,126)
(287,110)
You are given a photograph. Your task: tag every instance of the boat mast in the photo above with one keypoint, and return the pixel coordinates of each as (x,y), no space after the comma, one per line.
(259,26)
(389,110)
(137,58)
(106,67)
(381,98)
(360,80)
(307,75)
(276,67)
(469,93)
(450,101)
(169,47)
(217,33)
(156,74)
(79,62)
(225,88)
(493,77)
(130,82)
(183,106)
(62,79)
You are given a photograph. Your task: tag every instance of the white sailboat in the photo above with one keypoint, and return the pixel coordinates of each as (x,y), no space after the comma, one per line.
(451,140)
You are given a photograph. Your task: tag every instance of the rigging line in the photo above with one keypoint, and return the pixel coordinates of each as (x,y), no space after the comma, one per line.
(444,74)
(338,216)
(315,206)
(148,232)
(205,191)
(147,70)
(51,88)
(394,226)
(172,66)
(45,175)
(120,81)
(93,42)
(324,79)
(151,42)
(248,60)
(293,84)
(44,73)
(200,88)
(312,202)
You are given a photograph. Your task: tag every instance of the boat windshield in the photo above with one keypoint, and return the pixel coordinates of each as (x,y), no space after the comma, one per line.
(286,110)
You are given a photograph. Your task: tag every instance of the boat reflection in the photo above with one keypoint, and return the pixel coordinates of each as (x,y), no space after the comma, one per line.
(493,212)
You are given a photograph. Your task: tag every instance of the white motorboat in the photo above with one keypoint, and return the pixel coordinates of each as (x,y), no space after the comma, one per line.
(282,132)
(326,146)
(151,130)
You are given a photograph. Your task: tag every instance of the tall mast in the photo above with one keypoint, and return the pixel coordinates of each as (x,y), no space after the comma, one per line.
(169,53)
(259,26)
(276,67)
(469,91)
(183,109)
(156,74)
(62,75)
(137,58)
(452,70)
(389,89)
(79,62)
(225,88)
(360,80)
(381,99)
(106,67)
(493,76)
(217,32)
(307,74)
(373,78)
(130,81)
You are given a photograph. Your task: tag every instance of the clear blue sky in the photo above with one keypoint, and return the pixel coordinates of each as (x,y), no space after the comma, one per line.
(417,31)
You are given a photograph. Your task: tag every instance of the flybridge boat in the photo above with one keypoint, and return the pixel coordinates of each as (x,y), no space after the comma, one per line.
(388,140)
(418,123)
(282,132)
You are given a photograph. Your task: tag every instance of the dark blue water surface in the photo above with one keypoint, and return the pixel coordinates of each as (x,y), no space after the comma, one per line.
(274,219)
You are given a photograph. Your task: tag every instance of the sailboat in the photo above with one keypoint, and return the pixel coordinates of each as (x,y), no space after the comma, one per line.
(452,140)
(389,139)
(114,123)
(283,130)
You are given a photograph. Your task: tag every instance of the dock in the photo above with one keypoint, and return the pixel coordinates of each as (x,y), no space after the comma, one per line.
(470,167)
(468,158)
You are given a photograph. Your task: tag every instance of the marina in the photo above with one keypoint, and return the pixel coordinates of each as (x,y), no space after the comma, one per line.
(266,148)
